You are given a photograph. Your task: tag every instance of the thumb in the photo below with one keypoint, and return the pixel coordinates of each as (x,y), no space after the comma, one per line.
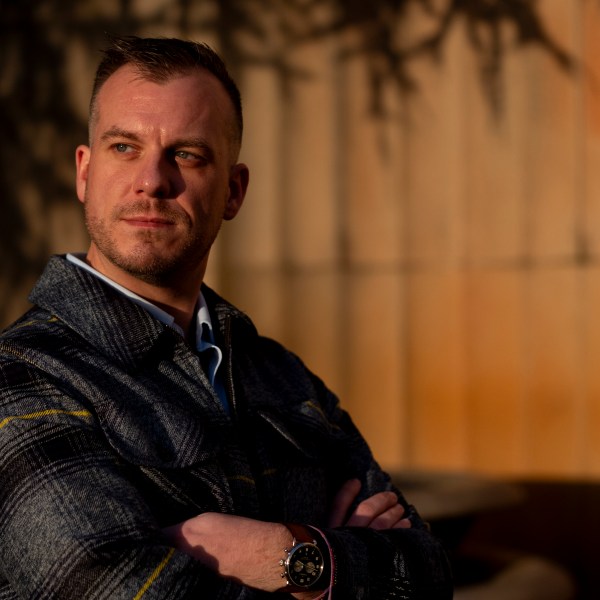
(343,501)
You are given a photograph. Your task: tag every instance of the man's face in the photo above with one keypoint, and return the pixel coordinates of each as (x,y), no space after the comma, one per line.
(159,176)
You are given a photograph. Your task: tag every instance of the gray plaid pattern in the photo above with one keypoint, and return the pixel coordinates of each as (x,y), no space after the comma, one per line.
(109,431)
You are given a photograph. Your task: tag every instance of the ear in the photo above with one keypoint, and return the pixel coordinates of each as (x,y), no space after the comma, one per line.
(82,161)
(238,184)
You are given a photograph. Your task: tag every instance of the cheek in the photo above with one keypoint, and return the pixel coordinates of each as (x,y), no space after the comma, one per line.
(90,208)
(98,201)
(206,199)
(105,187)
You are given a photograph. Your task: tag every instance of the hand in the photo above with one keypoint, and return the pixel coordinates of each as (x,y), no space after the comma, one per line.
(380,511)
(242,549)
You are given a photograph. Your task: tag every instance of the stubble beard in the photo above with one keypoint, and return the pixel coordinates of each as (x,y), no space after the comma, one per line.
(144,259)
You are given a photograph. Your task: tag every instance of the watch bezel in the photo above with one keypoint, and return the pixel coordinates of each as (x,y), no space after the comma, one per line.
(293,577)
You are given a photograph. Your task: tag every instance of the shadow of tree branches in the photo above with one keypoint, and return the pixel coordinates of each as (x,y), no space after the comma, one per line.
(41,128)
(380,35)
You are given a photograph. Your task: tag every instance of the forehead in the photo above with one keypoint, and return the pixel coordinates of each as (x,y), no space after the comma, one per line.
(184,100)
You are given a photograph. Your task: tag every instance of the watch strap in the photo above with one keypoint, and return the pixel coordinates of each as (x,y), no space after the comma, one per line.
(301,533)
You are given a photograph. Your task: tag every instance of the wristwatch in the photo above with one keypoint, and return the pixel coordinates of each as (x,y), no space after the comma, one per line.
(305,565)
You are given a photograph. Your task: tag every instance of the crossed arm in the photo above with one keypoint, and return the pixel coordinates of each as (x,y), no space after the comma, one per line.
(248,550)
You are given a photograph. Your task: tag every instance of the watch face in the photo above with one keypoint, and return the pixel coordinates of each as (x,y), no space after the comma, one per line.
(304,565)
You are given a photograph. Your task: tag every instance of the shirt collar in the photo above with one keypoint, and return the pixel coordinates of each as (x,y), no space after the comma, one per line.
(204,329)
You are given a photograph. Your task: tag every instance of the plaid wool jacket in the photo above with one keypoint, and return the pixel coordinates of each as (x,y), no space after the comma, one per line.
(110,430)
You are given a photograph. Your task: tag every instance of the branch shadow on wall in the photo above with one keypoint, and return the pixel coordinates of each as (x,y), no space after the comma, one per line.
(41,128)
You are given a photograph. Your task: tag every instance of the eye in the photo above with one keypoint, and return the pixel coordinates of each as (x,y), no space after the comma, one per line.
(122,148)
(191,158)
(186,155)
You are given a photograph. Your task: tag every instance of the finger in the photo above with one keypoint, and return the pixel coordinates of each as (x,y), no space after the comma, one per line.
(343,501)
(393,518)
(371,508)
(403,524)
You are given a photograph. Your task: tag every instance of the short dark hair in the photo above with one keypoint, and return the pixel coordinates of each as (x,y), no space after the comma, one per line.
(160,59)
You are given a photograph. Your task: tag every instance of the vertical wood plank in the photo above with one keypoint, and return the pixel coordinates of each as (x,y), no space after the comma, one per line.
(247,261)
(434,248)
(371,211)
(309,179)
(314,324)
(591,127)
(372,170)
(310,218)
(435,155)
(555,404)
(590,321)
(261,293)
(375,364)
(253,238)
(436,378)
(496,360)
(496,195)
(552,140)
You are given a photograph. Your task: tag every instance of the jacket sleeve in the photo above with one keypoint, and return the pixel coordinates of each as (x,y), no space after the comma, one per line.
(71,523)
(400,563)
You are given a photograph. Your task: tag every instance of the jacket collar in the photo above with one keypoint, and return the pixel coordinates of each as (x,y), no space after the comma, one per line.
(115,325)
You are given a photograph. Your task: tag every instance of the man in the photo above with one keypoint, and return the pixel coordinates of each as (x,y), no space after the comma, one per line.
(152,444)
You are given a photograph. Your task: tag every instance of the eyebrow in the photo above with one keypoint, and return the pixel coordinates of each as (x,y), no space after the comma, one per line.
(117,132)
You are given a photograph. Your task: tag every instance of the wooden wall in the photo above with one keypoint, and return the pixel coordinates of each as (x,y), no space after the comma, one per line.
(439,267)
(436,265)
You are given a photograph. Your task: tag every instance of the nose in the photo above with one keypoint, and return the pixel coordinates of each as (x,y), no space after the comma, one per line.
(153,177)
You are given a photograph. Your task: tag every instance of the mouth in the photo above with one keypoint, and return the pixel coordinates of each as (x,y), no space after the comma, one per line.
(148,222)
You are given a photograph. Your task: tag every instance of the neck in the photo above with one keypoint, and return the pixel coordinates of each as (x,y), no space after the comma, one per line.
(178,300)
(180,305)
(182,311)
